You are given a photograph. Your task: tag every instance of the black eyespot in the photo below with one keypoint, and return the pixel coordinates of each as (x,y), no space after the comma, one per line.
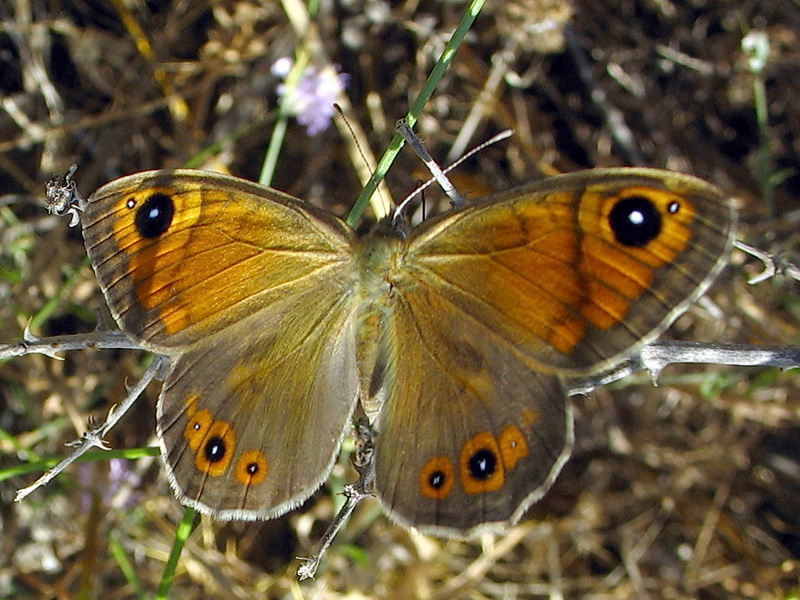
(154,216)
(215,449)
(252,468)
(437,479)
(635,221)
(482,464)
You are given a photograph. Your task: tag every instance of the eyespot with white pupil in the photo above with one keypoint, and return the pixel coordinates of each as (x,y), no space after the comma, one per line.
(482,464)
(215,449)
(154,217)
(436,480)
(635,221)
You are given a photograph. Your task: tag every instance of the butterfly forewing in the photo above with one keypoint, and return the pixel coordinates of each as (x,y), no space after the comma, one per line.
(579,271)
(183,254)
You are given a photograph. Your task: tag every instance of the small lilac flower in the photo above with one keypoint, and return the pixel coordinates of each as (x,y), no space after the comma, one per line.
(311,100)
(119,474)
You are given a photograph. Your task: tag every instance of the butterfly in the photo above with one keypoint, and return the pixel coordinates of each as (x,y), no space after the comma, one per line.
(457,337)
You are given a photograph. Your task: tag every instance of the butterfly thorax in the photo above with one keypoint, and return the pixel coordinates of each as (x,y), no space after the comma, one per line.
(379,252)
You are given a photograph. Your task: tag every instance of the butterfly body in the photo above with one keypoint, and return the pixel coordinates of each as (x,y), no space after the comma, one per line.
(456,337)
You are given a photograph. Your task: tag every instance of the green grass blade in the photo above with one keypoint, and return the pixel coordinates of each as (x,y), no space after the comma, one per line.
(416,108)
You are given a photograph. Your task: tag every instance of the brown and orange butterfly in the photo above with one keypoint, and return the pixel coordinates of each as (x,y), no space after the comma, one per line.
(457,337)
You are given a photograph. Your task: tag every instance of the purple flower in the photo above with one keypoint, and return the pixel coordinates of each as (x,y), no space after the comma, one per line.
(311,100)
(119,475)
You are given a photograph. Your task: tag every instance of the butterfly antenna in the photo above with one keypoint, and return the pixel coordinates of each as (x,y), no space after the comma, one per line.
(439,175)
(362,154)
